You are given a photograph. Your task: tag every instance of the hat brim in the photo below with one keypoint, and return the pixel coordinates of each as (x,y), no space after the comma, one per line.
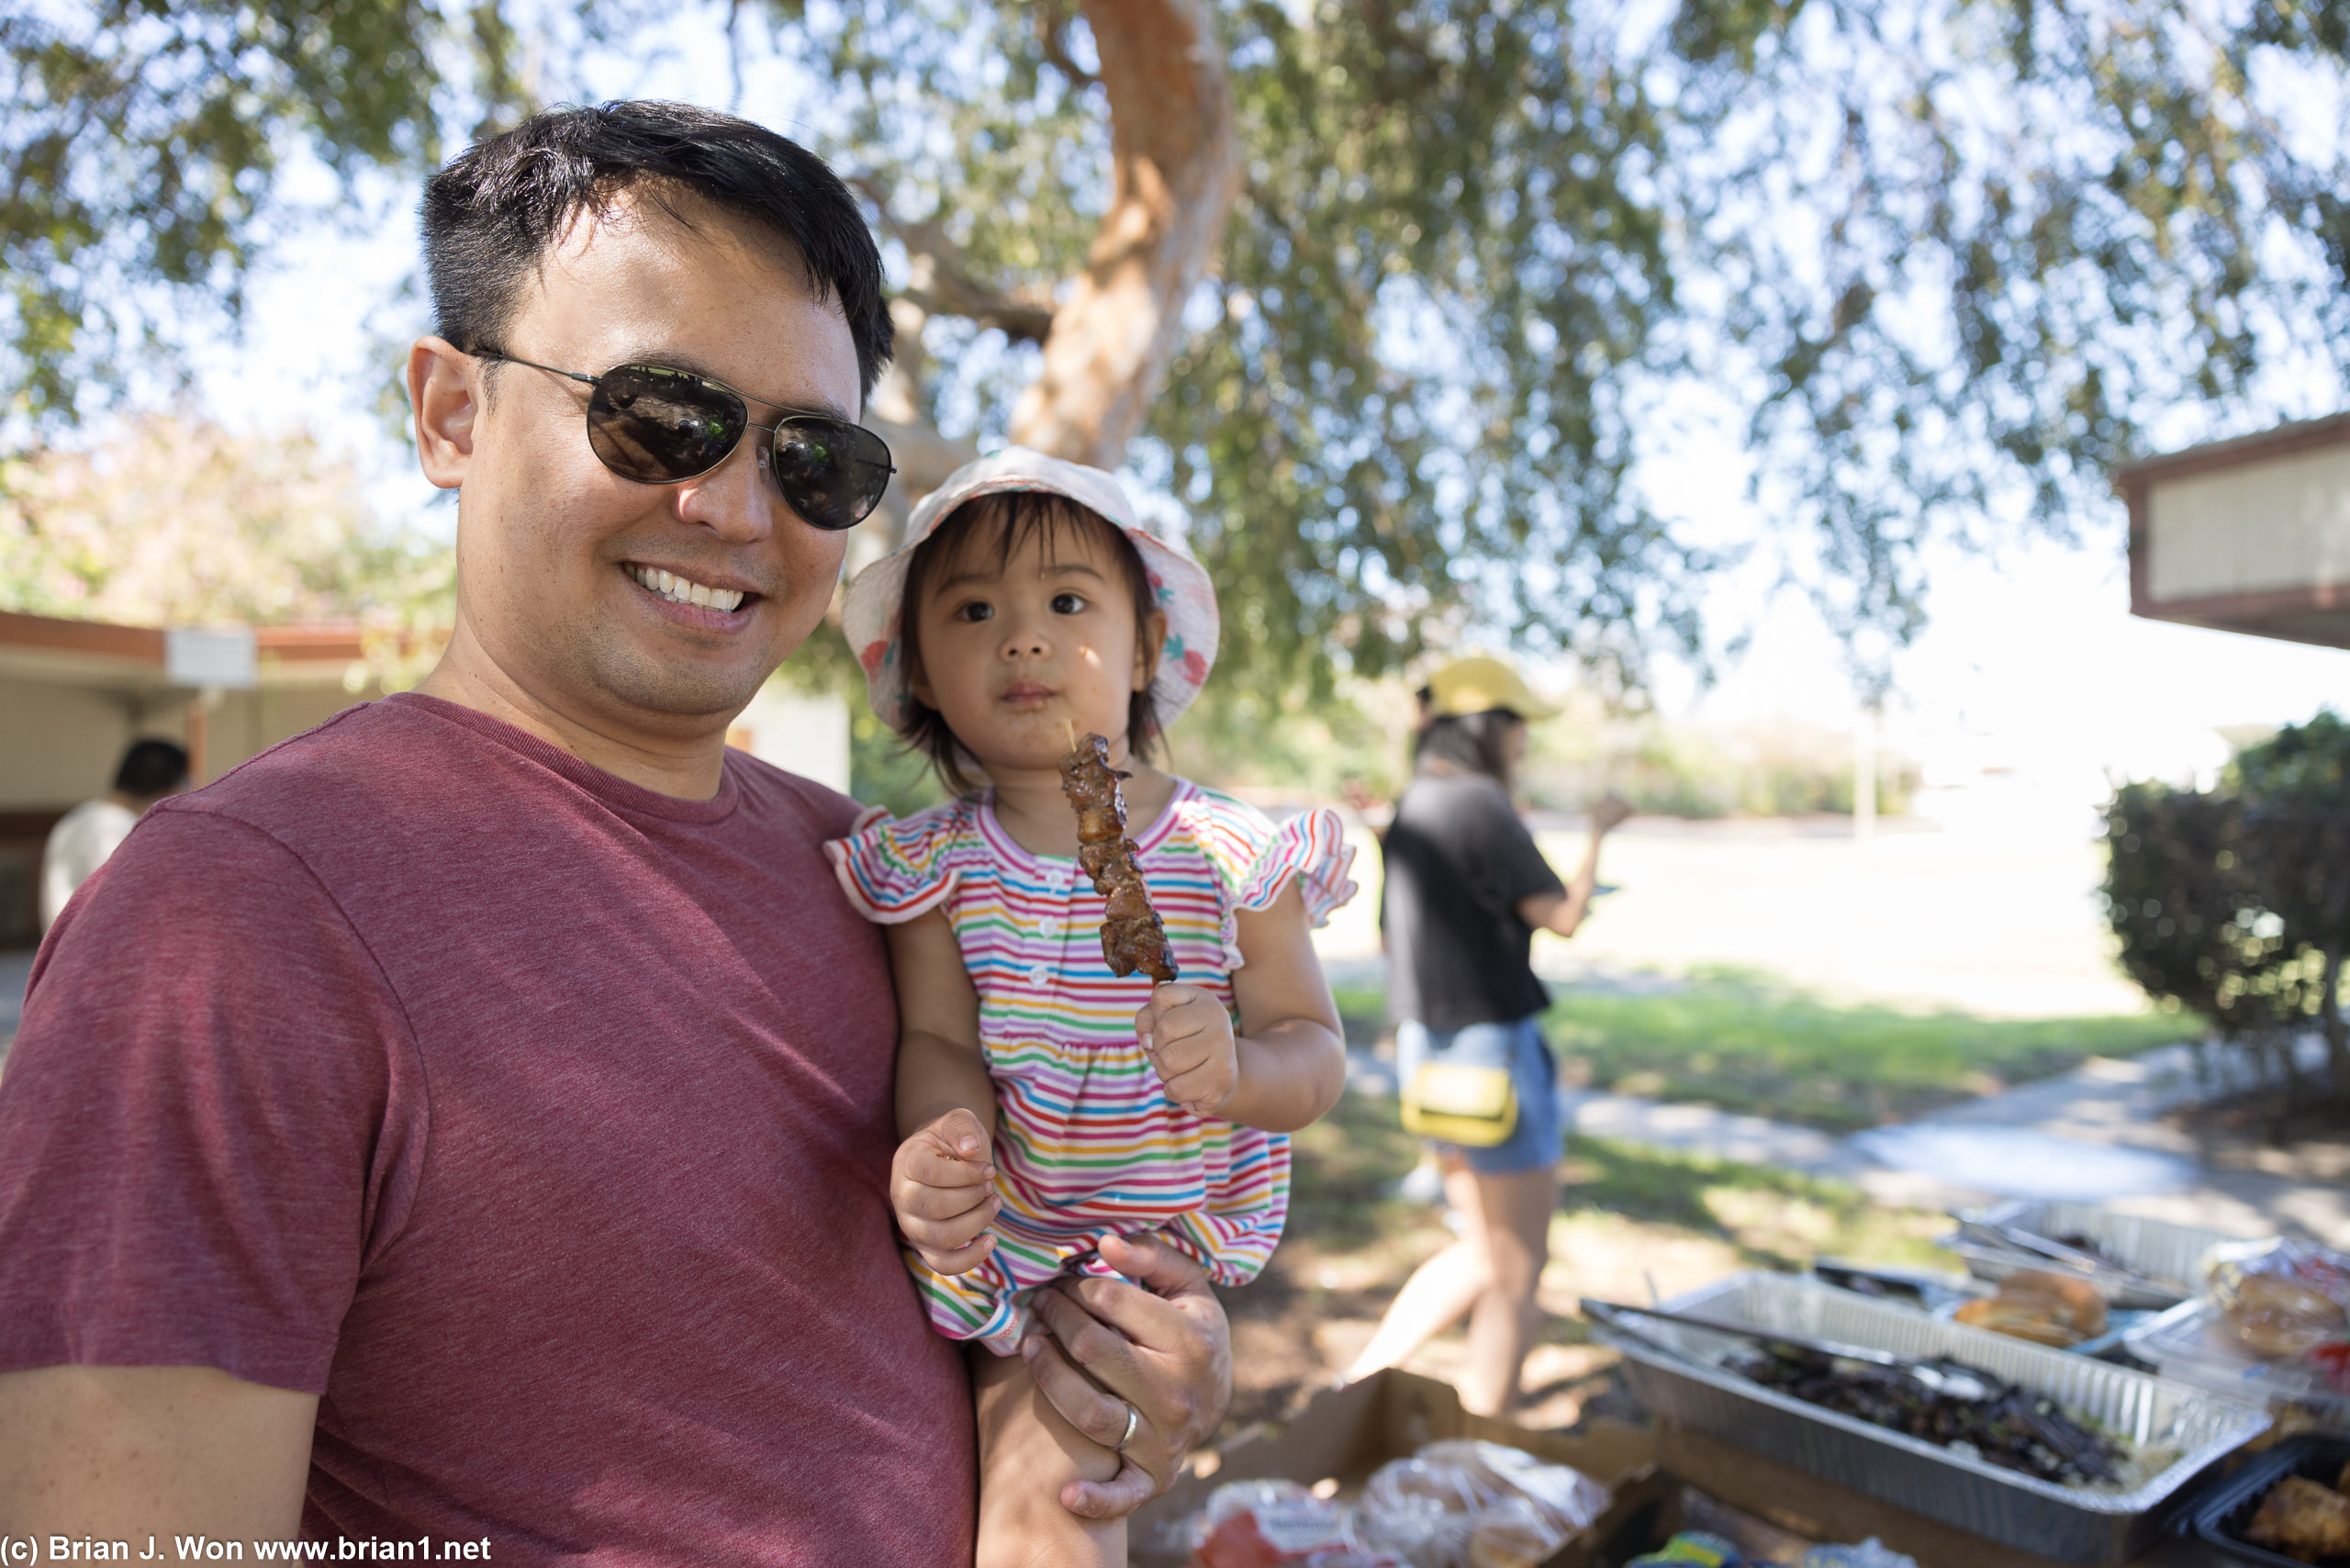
(872,612)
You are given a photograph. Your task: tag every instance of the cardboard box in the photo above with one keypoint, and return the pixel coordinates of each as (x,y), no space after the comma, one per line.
(1346,1433)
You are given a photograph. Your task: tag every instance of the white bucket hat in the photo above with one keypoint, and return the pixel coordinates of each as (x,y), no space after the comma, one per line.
(873,613)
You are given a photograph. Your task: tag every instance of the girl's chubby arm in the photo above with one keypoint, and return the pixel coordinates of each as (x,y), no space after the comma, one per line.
(1288,1064)
(942,1180)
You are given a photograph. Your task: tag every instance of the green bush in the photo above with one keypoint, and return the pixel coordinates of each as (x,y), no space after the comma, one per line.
(2235,903)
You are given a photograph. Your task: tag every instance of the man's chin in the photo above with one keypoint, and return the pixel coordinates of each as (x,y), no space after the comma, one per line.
(673,698)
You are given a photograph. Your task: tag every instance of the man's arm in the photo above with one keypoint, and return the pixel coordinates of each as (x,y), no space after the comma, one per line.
(1166,1349)
(126,1452)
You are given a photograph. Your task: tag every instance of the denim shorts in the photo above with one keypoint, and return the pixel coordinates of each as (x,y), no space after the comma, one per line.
(1541,1131)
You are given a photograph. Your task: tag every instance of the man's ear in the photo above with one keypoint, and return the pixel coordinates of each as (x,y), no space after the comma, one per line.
(444,395)
(1149,641)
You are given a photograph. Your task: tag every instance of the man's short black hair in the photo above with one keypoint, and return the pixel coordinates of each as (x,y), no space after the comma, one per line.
(491,215)
(150,769)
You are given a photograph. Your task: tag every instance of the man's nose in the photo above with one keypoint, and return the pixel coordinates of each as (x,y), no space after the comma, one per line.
(736,500)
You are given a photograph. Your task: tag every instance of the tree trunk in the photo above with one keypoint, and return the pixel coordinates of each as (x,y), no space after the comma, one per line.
(1178,166)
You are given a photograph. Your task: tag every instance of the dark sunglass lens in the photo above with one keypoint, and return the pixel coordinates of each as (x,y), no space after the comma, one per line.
(659,426)
(832,472)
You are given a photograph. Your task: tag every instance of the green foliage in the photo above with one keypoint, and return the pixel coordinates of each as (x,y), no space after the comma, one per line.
(180,522)
(143,146)
(1954,257)
(1951,257)
(2236,904)
(2179,897)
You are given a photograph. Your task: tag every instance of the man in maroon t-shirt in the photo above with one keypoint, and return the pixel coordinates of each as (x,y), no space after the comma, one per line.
(488,1143)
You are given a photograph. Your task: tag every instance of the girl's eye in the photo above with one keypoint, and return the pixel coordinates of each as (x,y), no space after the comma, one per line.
(1067,603)
(978,609)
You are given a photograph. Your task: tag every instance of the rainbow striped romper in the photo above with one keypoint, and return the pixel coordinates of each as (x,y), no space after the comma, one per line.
(1086,1143)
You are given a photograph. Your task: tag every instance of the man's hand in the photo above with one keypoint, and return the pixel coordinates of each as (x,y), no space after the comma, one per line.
(942,1184)
(1166,1350)
(1188,1035)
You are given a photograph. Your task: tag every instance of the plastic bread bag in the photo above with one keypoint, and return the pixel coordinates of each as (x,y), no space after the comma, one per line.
(2284,1300)
(1259,1524)
(1428,1508)
(1514,1532)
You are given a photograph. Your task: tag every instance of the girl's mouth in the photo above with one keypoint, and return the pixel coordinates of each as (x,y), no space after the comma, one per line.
(1027,694)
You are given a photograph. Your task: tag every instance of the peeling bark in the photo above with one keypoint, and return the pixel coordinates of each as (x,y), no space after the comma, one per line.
(1177,167)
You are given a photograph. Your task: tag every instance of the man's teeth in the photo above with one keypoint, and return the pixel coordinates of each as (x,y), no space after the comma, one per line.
(678,590)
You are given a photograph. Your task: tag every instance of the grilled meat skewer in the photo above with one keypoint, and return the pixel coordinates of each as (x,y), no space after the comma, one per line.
(1132,937)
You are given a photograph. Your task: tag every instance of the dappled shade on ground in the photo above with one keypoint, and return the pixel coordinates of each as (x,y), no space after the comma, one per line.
(1627,1218)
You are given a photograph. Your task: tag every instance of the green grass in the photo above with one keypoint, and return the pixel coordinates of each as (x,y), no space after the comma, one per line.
(1746,1042)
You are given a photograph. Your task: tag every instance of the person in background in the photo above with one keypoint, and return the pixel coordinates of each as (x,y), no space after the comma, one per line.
(1466,891)
(86,835)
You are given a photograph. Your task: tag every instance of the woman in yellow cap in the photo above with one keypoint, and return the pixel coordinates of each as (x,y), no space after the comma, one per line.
(1466,891)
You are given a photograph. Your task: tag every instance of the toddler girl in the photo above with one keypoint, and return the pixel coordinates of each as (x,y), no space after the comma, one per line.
(1044,1103)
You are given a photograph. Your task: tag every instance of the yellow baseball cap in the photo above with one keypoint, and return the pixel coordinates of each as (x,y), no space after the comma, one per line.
(1479,685)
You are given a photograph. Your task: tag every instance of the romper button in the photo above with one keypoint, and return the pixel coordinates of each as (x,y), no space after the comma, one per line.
(1039,975)
(1048,927)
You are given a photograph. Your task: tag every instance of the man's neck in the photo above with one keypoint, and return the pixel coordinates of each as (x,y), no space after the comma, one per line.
(690,769)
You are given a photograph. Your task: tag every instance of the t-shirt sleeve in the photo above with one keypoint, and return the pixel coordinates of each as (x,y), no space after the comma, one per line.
(1513,866)
(210,1120)
(1256,859)
(895,869)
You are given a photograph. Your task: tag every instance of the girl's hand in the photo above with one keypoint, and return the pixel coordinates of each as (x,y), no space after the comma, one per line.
(1188,1035)
(942,1183)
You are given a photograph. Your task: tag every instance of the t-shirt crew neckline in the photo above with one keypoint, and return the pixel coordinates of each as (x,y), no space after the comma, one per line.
(633,800)
(1000,839)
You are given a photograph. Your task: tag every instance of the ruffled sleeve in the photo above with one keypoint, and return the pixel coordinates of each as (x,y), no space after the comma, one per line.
(894,869)
(1257,858)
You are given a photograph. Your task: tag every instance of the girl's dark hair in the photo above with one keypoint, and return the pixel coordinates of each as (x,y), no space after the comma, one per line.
(1471,742)
(999,525)
(493,212)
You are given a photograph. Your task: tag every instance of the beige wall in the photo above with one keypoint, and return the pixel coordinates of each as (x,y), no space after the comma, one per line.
(60,745)
(247,724)
(2282,523)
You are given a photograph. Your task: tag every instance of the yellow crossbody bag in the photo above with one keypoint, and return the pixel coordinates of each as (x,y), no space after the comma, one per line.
(1461,1102)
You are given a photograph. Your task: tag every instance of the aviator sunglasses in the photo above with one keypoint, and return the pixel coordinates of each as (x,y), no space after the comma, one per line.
(659,426)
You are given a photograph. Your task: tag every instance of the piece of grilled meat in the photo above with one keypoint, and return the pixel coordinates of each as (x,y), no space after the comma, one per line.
(1132,937)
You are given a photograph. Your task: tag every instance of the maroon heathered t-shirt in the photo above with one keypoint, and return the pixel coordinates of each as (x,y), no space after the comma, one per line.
(538,1122)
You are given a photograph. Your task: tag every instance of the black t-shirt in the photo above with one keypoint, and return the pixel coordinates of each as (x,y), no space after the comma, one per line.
(1458,860)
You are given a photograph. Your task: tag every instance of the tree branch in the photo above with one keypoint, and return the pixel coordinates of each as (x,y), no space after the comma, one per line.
(1178,171)
(943,285)
(1052,37)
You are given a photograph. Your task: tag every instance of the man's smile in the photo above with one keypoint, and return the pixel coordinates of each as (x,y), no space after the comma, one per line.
(679,590)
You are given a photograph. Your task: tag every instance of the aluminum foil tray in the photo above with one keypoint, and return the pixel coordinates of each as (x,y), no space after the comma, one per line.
(2148,1245)
(2067,1523)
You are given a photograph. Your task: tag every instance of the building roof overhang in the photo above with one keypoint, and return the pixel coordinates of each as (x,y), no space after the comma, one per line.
(2248,535)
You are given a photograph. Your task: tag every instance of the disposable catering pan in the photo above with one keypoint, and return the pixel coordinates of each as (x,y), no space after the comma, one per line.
(2219,1513)
(1690,1386)
(2143,1246)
